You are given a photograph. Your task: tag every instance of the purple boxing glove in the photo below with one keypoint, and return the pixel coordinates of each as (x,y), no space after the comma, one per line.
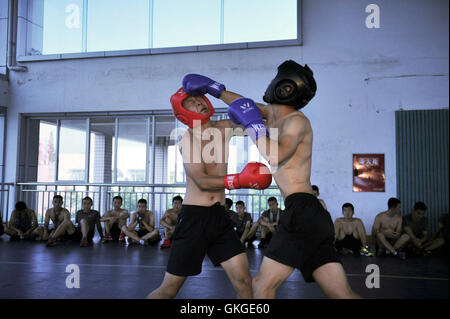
(244,111)
(196,84)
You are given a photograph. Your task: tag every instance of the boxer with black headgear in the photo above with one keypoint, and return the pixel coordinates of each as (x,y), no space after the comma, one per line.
(304,238)
(294,85)
(204,226)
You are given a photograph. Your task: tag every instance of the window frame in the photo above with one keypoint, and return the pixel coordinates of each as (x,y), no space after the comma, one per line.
(22,43)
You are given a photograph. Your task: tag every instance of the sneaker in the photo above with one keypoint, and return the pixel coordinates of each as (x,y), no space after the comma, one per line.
(84,243)
(365,252)
(401,255)
(51,242)
(122,237)
(166,243)
(107,237)
(143,242)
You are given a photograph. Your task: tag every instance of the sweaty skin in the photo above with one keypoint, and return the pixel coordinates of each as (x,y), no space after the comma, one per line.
(388,225)
(291,169)
(205,155)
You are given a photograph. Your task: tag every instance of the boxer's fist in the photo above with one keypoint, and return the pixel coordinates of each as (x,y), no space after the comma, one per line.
(196,84)
(244,111)
(254,175)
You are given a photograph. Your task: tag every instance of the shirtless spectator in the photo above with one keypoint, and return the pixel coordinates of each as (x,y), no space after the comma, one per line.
(146,234)
(114,220)
(416,226)
(350,233)
(268,222)
(62,225)
(87,220)
(23,222)
(316,193)
(169,220)
(243,222)
(387,229)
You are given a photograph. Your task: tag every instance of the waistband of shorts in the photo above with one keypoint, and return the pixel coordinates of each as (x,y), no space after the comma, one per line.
(200,209)
(298,196)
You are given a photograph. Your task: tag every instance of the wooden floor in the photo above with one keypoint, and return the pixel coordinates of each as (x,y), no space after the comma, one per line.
(31,270)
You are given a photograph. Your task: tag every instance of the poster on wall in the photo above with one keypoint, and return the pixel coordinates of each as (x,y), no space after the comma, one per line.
(368,173)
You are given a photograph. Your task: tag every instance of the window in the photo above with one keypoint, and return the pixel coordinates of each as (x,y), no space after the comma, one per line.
(117,25)
(72,150)
(78,26)
(47,152)
(131,150)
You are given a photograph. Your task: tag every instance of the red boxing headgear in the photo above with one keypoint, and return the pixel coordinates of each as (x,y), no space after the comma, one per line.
(185,116)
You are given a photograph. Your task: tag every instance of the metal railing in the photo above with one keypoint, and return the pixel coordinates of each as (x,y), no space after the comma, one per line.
(39,196)
(5,189)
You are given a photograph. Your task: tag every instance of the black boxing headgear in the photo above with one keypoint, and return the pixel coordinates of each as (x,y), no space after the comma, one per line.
(294,85)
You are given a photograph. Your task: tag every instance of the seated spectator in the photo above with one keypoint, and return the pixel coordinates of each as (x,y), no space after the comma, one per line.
(439,242)
(350,233)
(228,206)
(242,223)
(170,220)
(416,226)
(23,222)
(62,225)
(387,230)
(316,193)
(146,234)
(268,222)
(114,220)
(87,219)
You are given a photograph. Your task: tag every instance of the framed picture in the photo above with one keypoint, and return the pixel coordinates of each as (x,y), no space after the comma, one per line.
(368,173)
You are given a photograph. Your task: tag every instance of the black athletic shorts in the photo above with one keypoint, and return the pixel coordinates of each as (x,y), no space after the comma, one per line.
(115,231)
(304,237)
(202,230)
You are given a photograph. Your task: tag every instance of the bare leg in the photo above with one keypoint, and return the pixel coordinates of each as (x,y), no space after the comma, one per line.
(332,280)
(401,241)
(253,230)
(151,235)
(84,228)
(62,229)
(238,271)
(169,287)
(339,231)
(130,234)
(384,243)
(269,278)
(435,244)
(360,234)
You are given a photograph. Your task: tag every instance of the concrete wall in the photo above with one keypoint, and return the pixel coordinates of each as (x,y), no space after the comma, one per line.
(363,75)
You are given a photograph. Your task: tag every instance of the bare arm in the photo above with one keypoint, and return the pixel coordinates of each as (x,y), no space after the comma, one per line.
(376,226)
(47,220)
(151,226)
(133,222)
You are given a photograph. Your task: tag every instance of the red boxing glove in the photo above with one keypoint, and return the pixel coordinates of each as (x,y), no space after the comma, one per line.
(254,175)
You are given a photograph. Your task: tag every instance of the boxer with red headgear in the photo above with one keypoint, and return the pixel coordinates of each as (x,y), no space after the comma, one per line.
(305,233)
(204,226)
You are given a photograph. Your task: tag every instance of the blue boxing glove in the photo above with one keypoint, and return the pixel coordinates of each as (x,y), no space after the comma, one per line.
(196,84)
(244,111)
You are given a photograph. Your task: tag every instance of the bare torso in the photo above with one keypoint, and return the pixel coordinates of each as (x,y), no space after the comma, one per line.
(293,174)
(217,167)
(390,224)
